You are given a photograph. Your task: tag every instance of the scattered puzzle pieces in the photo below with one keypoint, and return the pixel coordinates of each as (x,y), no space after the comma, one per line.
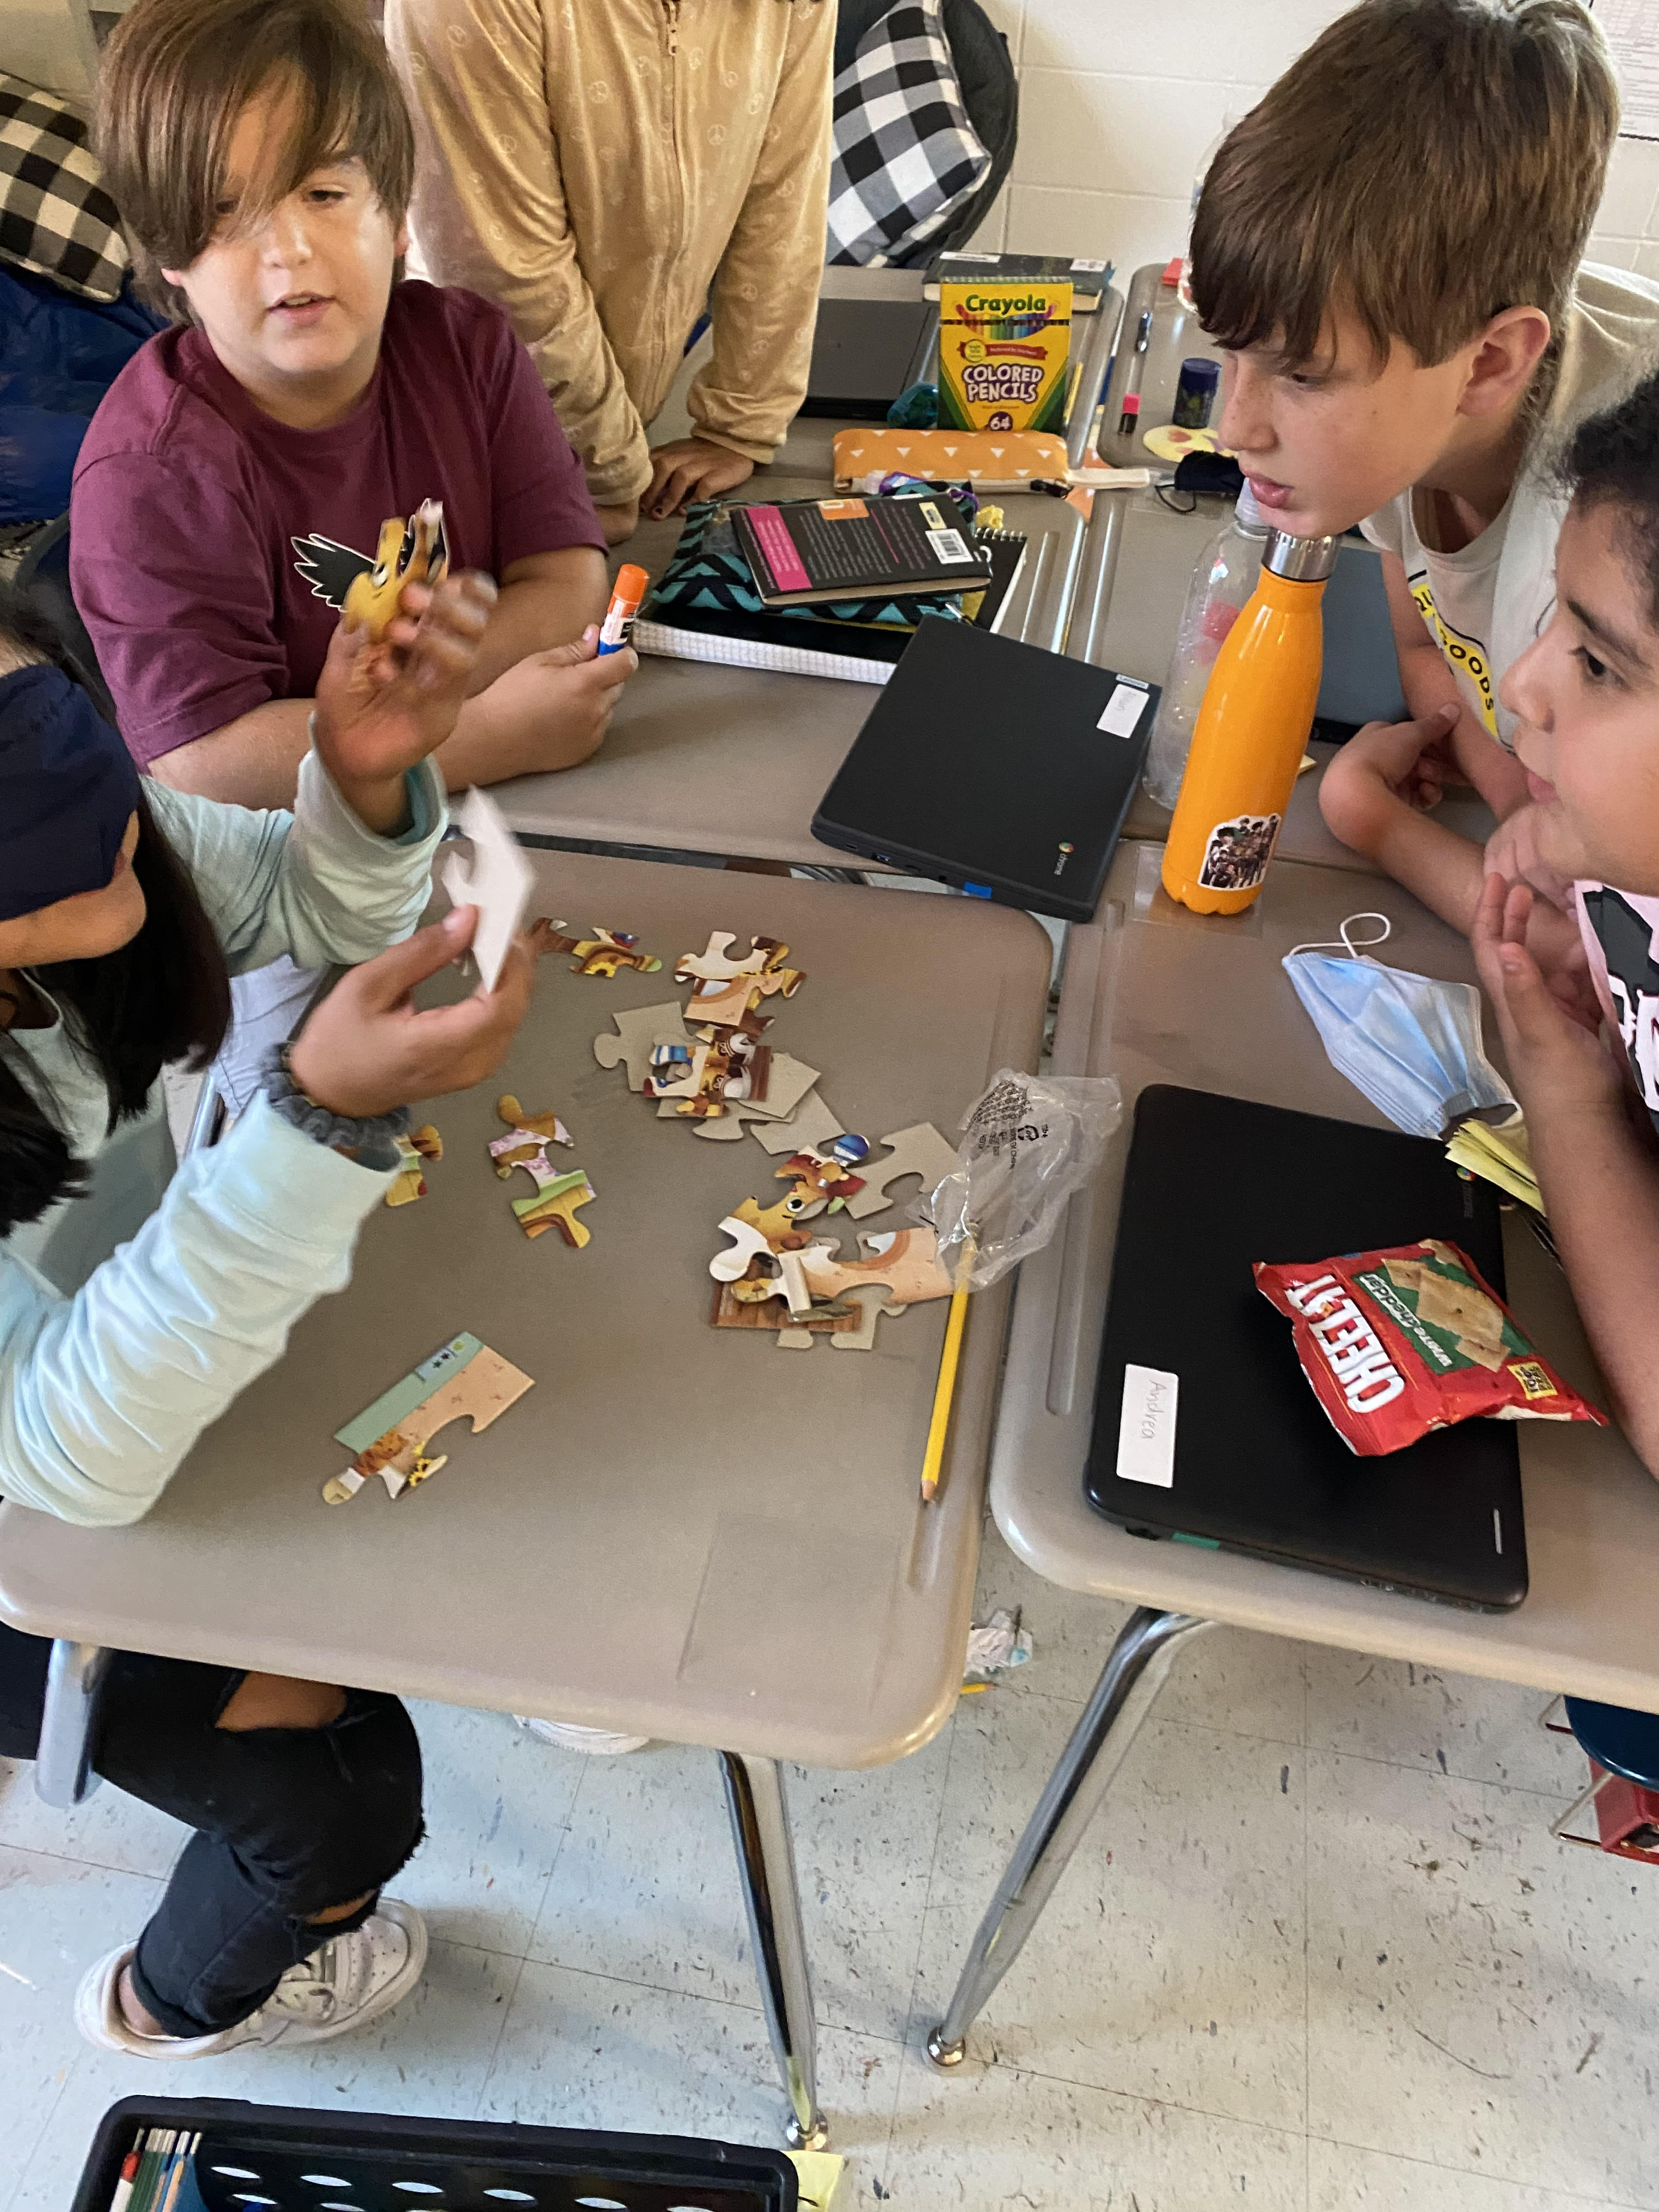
(701,1078)
(601,953)
(464,1379)
(638,1032)
(420,1145)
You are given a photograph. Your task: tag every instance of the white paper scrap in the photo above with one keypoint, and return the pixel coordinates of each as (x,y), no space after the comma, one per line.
(1123,709)
(499,881)
(1146,1427)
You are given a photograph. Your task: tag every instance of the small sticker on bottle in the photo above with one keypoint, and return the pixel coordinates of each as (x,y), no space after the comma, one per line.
(1146,1427)
(1123,709)
(1236,859)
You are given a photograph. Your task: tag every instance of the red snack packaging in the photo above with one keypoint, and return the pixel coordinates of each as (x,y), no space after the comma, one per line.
(1400,1342)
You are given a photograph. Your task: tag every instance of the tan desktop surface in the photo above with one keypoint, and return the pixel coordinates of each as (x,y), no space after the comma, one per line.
(679,1531)
(1159,995)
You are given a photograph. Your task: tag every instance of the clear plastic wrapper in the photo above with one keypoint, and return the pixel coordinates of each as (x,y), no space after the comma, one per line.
(1029,1142)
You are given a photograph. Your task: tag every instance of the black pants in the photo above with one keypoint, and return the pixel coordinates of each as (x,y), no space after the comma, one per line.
(290,1822)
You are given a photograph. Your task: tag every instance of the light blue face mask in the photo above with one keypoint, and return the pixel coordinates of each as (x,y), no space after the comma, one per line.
(1410,1043)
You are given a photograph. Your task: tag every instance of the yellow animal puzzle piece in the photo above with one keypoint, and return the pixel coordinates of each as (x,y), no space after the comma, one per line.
(410,552)
(602,953)
(423,1143)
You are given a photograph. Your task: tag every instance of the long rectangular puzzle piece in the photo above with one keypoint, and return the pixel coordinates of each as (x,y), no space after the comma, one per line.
(463,1379)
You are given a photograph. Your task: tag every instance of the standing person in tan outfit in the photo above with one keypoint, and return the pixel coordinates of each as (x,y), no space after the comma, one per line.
(607,169)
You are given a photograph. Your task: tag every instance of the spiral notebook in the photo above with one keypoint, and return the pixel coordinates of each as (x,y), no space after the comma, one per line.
(674,643)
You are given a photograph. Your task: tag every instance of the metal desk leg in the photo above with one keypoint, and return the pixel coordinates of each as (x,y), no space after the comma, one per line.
(1126,1692)
(766,1860)
(62,1764)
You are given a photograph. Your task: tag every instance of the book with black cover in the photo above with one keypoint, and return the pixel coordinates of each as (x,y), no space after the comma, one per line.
(858,547)
(994,767)
(1247,1461)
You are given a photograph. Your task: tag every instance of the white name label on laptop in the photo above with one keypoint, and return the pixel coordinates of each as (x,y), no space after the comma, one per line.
(1146,1430)
(1123,710)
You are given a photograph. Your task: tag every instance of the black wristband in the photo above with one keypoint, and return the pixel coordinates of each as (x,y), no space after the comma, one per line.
(371,1141)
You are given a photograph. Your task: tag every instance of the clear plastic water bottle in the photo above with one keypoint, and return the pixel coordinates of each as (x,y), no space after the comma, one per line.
(1222,582)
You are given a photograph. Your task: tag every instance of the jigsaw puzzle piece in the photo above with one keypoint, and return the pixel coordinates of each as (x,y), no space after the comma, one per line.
(638,1033)
(811,1127)
(464,1379)
(918,1151)
(408,552)
(601,953)
(788,1080)
(713,965)
(905,1260)
(556,1208)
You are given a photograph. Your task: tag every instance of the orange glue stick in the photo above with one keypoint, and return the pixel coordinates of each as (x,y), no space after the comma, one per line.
(625,599)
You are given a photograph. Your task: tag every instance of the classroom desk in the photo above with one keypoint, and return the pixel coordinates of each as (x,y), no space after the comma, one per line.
(701,758)
(1155,994)
(679,1532)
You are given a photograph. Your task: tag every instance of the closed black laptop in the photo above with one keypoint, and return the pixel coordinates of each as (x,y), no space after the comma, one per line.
(1211,1185)
(995,766)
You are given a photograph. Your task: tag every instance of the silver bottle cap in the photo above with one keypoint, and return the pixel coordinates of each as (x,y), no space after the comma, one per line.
(1300,559)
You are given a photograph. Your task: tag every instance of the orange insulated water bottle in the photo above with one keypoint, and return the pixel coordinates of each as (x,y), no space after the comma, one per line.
(1258,708)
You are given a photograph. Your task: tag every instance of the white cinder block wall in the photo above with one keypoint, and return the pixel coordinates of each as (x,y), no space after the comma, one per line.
(1119,99)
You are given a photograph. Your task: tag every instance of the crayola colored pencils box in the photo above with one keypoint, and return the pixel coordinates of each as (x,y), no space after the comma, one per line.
(1003,350)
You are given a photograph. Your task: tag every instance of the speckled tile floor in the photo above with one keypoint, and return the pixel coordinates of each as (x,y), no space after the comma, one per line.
(1318,1953)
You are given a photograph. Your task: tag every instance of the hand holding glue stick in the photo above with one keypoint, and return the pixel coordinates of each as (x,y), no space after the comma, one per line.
(626,594)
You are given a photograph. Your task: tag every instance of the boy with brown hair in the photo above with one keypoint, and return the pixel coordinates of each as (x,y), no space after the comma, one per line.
(235,478)
(1388,249)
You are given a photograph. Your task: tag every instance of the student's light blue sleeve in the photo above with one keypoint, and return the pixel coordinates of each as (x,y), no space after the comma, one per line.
(315,885)
(102,1394)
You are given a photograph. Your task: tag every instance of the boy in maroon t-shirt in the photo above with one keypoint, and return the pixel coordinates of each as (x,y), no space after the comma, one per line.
(235,478)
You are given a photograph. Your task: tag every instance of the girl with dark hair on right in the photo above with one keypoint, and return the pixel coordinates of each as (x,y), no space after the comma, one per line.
(128,1325)
(1586,699)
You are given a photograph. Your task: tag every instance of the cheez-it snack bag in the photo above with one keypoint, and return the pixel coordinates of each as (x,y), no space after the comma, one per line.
(1400,1342)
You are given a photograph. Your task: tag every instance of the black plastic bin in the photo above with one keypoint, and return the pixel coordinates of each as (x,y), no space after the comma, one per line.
(270,2158)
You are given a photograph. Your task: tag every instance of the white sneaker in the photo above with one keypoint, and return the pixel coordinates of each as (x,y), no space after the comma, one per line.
(598,1743)
(351,1979)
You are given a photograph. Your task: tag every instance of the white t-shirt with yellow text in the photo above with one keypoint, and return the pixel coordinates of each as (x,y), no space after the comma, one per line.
(1484,605)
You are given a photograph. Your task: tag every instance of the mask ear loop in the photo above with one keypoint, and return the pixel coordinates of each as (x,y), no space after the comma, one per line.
(1344,943)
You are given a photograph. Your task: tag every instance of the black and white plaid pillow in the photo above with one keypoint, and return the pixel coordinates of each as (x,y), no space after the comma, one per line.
(906,155)
(56,218)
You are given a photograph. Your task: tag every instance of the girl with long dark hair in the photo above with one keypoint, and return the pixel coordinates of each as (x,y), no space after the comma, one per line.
(133,1310)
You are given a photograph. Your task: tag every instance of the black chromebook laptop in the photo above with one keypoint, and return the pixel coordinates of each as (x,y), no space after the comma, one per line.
(1211,1185)
(994,767)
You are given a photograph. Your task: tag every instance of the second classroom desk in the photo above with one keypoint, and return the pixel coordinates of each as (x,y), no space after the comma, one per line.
(1156,994)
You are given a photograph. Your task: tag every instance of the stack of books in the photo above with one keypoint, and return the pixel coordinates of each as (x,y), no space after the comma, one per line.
(831,588)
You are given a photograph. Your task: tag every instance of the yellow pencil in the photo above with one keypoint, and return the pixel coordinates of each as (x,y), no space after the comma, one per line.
(939,1427)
